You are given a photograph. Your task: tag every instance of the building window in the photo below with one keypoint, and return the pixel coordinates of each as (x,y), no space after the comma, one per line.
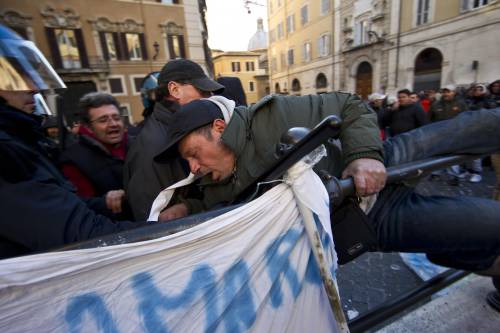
(133,46)
(472,4)
(304,15)
(324,45)
(422,11)
(235,66)
(321,81)
(168,2)
(290,57)
(251,86)
(325,6)
(176,46)
(280,30)
(290,23)
(135,83)
(116,85)
(306,52)
(274,64)
(250,66)
(361,32)
(109,45)
(68,48)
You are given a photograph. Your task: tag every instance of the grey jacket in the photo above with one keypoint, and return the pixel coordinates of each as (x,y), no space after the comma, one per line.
(143,177)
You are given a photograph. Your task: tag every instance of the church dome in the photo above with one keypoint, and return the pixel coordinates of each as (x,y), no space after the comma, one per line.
(259,39)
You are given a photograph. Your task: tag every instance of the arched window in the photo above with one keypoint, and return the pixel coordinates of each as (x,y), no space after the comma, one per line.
(277,88)
(296,85)
(364,79)
(428,66)
(321,81)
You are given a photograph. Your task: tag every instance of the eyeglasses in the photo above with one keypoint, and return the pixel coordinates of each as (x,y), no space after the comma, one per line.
(106,119)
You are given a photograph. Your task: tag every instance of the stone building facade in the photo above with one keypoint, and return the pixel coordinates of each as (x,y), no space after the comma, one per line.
(110,45)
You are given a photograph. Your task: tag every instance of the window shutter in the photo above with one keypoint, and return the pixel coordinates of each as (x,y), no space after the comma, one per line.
(181,46)
(144,49)
(81,48)
(171,50)
(124,46)
(104,45)
(54,48)
(118,47)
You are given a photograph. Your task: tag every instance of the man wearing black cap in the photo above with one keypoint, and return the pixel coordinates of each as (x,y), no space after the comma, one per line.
(180,81)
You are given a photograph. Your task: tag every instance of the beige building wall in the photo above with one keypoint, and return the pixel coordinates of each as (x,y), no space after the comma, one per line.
(152,19)
(304,69)
(223,67)
(466,37)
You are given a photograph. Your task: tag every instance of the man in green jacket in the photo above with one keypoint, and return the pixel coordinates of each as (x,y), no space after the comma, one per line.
(230,152)
(247,144)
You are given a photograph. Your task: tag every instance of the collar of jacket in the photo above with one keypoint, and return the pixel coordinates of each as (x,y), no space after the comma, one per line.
(87,138)
(17,123)
(164,111)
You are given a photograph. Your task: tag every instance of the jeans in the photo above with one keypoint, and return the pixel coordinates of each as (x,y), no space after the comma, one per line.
(460,232)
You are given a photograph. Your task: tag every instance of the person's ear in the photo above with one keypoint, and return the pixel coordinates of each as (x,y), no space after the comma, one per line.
(173,89)
(218,125)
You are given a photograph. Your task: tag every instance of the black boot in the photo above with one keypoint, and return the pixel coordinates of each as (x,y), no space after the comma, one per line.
(493,297)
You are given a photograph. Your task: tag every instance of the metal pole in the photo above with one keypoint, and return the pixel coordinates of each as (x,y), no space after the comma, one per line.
(326,275)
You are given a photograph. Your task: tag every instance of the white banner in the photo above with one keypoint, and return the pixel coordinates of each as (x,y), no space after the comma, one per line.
(251,269)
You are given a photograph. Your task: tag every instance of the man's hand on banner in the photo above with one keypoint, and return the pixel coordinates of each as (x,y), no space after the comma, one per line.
(174,212)
(114,200)
(369,175)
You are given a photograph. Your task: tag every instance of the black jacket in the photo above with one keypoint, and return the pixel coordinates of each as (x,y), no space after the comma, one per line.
(39,210)
(144,178)
(405,118)
(102,169)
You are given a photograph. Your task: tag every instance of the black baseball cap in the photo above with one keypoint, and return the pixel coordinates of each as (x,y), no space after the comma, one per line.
(190,117)
(187,71)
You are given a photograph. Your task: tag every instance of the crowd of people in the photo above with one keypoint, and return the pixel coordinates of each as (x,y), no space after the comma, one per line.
(410,110)
(104,182)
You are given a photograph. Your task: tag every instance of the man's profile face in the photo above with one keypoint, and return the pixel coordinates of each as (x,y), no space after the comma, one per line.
(378,102)
(414,98)
(207,155)
(495,88)
(107,124)
(21,100)
(404,99)
(478,91)
(185,93)
(447,95)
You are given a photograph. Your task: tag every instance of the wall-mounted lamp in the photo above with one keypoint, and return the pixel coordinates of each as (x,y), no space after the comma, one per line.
(156,46)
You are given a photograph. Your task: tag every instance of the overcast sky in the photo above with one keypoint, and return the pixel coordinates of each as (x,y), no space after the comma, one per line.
(230,27)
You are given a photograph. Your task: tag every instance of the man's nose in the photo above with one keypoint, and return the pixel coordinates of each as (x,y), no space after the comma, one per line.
(194,166)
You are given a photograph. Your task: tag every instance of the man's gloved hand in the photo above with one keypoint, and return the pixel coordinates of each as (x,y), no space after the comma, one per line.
(174,212)
(114,200)
(369,175)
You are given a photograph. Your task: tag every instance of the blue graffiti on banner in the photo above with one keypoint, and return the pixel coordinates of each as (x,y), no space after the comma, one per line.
(237,312)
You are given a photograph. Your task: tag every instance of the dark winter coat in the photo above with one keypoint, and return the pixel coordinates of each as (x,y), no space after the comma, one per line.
(39,208)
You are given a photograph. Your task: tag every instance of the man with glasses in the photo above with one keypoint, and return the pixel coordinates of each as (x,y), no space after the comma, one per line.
(94,164)
(180,82)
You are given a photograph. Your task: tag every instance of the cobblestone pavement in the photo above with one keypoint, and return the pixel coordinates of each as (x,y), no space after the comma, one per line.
(374,278)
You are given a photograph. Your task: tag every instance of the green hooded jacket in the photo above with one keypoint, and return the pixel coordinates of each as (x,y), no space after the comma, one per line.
(253,133)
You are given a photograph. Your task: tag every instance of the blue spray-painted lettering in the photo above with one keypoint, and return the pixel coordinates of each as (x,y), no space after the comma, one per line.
(151,299)
(94,305)
(278,262)
(240,312)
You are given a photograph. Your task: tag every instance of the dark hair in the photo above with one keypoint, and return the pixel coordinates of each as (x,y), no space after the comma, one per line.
(404,91)
(233,90)
(94,100)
